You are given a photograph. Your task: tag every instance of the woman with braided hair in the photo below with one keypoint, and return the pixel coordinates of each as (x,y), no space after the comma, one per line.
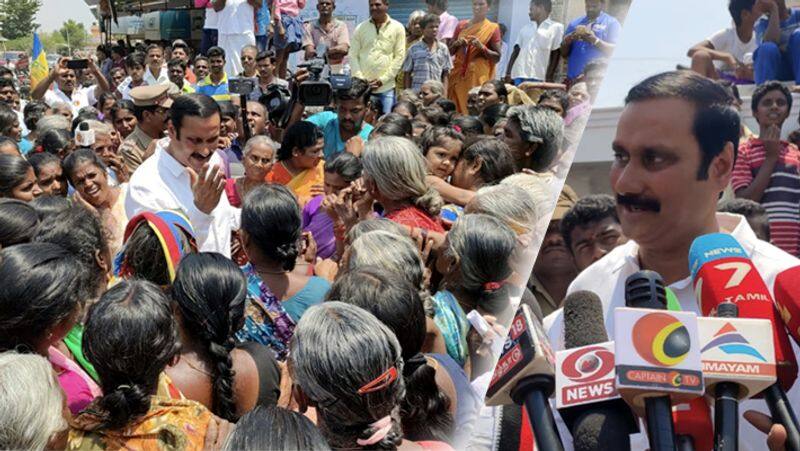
(355,382)
(210,292)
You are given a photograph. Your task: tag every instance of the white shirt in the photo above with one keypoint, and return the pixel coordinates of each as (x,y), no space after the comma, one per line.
(81,97)
(162,183)
(236,18)
(124,87)
(163,77)
(728,41)
(606,277)
(535,44)
(212,19)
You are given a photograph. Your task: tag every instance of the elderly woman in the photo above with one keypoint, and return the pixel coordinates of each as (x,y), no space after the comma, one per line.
(359,409)
(271,236)
(431,91)
(476,50)
(105,147)
(258,158)
(300,165)
(18,179)
(394,175)
(87,173)
(130,414)
(33,404)
(534,135)
(50,279)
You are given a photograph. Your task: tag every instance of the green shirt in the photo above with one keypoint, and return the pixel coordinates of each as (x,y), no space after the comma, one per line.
(378,54)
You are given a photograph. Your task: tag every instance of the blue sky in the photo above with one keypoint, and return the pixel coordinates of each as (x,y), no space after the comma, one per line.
(655,37)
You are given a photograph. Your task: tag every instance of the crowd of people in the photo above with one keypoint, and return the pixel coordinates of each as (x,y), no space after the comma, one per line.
(199,274)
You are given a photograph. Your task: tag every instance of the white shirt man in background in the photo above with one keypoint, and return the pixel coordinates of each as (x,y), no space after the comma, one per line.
(537,48)
(236,28)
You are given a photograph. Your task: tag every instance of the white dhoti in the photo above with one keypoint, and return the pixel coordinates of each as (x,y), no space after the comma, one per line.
(233,44)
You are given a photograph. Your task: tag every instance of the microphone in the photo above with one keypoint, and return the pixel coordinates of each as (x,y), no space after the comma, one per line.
(657,356)
(722,271)
(586,396)
(693,425)
(787,289)
(524,375)
(738,363)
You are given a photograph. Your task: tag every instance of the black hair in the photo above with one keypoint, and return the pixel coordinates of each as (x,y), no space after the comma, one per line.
(732,90)
(271,217)
(397,304)
(102,99)
(83,116)
(19,222)
(410,106)
(492,114)
(228,109)
(469,125)
(8,118)
(298,136)
(42,159)
(210,291)
(428,19)
(80,232)
(266,54)
(122,105)
(6,72)
(139,110)
(433,136)
(200,58)
(359,90)
(434,115)
(559,95)
(48,205)
(32,112)
(497,161)
(115,70)
(78,158)
(446,105)
(102,48)
(347,165)
(193,105)
(133,319)
(272,427)
(546,4)
(215,52)
(764,88)
(586,210)
(735,7)
(144,255)
(13,170)
(394,124)
(7,82)
(715,121)
(40,290)
(441,4)
(135,59)
(177,62)
(55,140)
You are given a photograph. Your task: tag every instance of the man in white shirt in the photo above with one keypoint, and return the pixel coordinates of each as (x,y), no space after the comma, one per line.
(236,28)
(66,89)
(537,48)
(728,53)
(184,174)
(156,71)
(667,182)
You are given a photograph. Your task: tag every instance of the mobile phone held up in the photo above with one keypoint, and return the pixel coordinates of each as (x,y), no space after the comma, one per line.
(77,64)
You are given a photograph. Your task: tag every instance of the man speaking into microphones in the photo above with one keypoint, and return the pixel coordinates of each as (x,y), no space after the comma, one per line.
(674,151)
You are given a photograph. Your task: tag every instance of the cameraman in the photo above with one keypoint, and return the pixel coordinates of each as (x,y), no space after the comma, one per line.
(265,63)
(344,128)
(67,90)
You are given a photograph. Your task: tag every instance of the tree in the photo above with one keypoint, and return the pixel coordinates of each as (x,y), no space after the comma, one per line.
(17,17)
(74,34)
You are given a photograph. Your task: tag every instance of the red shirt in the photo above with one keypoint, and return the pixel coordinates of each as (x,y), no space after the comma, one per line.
(412,216)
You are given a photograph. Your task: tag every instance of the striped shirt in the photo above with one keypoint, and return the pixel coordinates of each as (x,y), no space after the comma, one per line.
(781,199)
(219,92)
(426,64)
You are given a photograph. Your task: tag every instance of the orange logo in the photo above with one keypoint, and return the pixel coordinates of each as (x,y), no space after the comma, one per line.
(661,339)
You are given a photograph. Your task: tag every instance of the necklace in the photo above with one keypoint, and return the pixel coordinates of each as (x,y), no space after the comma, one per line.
(189,362)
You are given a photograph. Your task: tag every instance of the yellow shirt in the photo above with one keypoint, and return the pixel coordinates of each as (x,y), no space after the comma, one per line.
(378,53)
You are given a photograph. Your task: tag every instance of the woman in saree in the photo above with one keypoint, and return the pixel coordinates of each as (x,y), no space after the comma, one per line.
(300,165)
(476,51)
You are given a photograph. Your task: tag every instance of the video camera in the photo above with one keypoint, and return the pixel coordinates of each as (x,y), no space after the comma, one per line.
(317,91)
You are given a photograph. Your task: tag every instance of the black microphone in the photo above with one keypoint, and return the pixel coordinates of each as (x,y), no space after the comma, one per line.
(524,375)
(726,400)
(605,423)
(645,289)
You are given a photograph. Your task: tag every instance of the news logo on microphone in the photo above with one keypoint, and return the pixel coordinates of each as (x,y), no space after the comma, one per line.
(738,349)
(585,375)
(657,351)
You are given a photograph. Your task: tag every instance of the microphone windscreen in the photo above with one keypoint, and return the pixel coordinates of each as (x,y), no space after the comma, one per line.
(645,289)
(584,323)
(602,429)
